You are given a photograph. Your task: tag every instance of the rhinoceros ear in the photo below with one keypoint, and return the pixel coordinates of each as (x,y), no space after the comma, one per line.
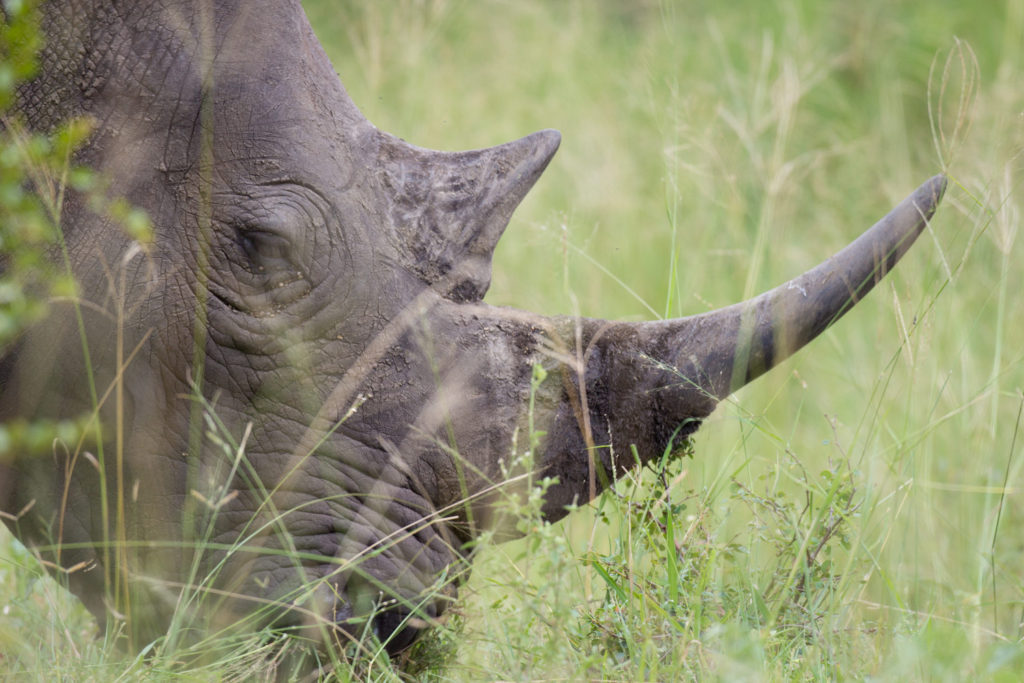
(448,209)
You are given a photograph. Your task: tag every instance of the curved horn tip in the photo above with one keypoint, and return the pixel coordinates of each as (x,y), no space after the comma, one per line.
(928,196)
(550,135)
(546,141)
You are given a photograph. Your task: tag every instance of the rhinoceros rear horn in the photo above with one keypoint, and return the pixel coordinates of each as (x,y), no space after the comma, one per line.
(448,209)
(745,340)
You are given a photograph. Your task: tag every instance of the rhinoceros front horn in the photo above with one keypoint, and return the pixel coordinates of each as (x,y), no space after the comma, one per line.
(648,384)
(745,340)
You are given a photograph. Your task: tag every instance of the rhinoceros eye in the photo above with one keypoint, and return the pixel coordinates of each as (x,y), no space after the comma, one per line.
(262,272)
(265,250)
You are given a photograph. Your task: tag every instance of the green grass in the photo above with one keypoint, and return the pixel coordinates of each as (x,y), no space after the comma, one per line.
(852,514)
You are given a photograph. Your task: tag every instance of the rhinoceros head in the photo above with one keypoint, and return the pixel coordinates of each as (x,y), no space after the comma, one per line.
(304,410)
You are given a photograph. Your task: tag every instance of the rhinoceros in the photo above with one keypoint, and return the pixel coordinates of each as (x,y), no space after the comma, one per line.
(302,411)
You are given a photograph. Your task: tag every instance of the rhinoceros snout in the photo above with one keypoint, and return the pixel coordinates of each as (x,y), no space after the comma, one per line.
(357,618)
(398,628)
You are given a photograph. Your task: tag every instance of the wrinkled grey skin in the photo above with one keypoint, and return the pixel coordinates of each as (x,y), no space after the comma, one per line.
(318,284)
